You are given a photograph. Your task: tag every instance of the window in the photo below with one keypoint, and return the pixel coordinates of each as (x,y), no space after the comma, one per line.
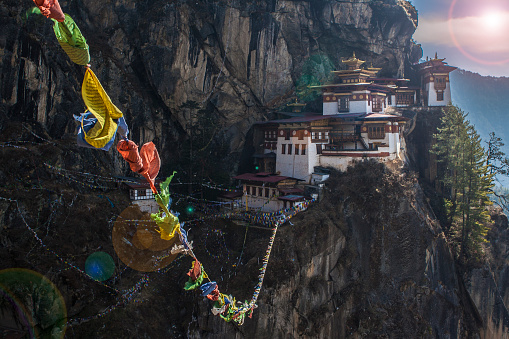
(440,83)
(376,132)
(141,193)
(287,134)
(248,190)
(343,104)
(297,149)
(404,99)
(270,135)
(260,191)
(389,100)
(303,151)
(318,148)
(289,148)
(440,96)
(283,149)
(376,103)
(266,193)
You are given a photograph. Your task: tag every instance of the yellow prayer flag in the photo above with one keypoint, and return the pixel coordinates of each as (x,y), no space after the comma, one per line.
(99,104)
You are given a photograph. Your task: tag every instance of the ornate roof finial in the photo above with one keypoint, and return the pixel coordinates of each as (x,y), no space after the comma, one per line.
(436,55)
(353,56)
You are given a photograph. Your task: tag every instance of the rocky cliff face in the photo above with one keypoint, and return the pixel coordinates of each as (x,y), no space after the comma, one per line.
(368,261)
(486,284)
(236,59)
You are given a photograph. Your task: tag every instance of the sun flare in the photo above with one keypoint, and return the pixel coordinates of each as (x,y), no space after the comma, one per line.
(492,20)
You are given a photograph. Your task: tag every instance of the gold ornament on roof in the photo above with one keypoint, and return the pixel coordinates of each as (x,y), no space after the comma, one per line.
(353,62)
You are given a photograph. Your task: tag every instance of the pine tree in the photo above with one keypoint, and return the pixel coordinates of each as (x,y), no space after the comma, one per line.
(496,157)
(467,177)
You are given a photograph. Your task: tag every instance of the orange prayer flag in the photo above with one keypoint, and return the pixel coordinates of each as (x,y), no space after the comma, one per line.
(50,9)
(146,162)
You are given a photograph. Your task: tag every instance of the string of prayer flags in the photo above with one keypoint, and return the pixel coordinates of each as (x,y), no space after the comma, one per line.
(87,121)
(50,9)
(99,104)
(72,41)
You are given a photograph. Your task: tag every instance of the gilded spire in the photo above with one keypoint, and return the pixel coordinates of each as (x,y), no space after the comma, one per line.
(353,62)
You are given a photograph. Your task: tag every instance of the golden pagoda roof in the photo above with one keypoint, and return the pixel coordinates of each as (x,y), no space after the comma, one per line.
(351,72)
(353,61)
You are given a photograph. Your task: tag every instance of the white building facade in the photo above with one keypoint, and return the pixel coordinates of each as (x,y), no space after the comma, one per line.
(355,123)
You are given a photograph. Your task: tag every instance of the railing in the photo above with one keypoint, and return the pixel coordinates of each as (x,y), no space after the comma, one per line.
(344,136)
(337,148)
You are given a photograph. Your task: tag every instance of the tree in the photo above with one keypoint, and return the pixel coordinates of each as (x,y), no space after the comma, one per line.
(499,163)
(316,70)
(467,175)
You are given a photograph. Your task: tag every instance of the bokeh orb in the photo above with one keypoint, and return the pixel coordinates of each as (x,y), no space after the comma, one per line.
(32,306)
(100,266)
(138,243)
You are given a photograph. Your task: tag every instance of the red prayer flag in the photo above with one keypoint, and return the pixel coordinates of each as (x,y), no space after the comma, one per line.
(51,9)
(146,162)
(195,272)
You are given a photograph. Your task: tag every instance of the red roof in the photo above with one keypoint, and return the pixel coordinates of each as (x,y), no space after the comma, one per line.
(291,190)
(262,178)
(309,118)
(380,116)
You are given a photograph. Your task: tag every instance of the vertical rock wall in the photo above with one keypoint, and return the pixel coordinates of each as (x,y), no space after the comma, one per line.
(369,260)
(236,59)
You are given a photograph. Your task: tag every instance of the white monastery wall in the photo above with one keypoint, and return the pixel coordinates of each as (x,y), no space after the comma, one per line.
(295,165)
(432,94)
(330,108)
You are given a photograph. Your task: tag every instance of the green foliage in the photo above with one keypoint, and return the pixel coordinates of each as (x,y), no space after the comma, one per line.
(499,163)
(467,177)
(315,71)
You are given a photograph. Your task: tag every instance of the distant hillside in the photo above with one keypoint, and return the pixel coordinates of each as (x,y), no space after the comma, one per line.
(487,101)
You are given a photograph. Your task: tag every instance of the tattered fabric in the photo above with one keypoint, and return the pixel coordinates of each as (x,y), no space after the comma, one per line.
(99,104)
(207,288)
(214,295)
(167,220)
(146,162)
(50,9)
(72,41)
(191,285)
(195,271)
(87,122)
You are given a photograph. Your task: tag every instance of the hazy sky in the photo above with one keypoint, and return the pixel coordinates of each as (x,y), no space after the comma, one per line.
(470,34)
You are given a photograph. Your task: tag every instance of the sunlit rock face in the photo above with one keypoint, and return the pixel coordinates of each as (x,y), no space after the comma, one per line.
(368,260)
(236,59)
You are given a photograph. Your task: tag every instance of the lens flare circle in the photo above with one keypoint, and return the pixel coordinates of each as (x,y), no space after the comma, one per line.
(100,266)
(138,244)
(35,306)
(461,49)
